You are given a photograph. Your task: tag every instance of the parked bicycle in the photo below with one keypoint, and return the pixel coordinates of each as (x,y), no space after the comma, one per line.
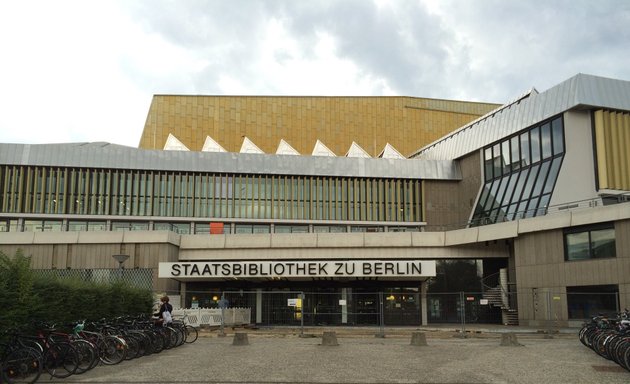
(190,333)
(19,363)
(609,337)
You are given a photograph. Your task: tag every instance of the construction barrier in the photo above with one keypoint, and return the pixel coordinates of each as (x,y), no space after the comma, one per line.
(212,316)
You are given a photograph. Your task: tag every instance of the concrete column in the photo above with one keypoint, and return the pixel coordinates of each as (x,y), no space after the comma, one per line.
(182,292)
(344,308)
(258,305)
(423,302)
(503,283)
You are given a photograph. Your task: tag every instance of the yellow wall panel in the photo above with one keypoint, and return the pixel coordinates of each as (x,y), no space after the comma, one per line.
(405,122)
(612,139)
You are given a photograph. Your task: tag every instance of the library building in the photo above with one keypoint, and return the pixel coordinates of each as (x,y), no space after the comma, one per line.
(346,210)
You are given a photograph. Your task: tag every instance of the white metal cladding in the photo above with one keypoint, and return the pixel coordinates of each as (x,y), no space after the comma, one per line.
(113,156)
(582,90)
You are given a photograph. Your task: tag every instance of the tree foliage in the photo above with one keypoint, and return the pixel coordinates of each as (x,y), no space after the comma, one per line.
(25,297)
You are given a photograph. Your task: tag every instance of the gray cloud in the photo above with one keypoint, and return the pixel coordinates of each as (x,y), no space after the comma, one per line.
(404,45)
(488,50)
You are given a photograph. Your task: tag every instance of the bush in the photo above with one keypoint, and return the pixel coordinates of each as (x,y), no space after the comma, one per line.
(16,290)
(25,298)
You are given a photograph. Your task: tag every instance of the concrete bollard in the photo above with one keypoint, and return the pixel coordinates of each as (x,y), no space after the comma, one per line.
(240,338)
(419,339)
(509,340)
(329,338)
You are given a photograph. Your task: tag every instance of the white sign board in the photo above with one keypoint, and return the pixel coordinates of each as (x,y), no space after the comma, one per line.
(342,302)
(405,269)
(483,301)
(292,302)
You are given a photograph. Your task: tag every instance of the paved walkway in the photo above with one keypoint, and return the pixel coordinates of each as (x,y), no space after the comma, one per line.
(280,355)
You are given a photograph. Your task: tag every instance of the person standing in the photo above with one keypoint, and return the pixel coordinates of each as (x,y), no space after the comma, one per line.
(164,318)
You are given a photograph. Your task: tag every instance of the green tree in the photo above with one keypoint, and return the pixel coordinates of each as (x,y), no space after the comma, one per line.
(17,298)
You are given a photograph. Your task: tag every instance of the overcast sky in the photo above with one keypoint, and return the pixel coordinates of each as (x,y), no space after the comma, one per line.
(86,70)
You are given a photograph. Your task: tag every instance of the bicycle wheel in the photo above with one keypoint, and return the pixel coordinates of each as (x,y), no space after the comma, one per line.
(144,344)
(178,330)
(23,365)
(88,355)
(61,360)
(170,337)
(112,350)
(191,334)
(181,335)
(626,358)
(157,341)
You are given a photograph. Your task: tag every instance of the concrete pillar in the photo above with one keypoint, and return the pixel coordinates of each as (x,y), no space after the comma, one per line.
(329,338)
(423,302)
(240,338)
(344,308)
(509,340)
(258,305)
(503,283)
(182,292)
(418,339)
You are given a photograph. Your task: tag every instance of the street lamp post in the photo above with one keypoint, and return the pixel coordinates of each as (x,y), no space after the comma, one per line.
(121,260)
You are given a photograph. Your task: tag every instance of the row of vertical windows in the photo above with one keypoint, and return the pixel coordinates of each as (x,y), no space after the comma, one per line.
(532,146)
(520,174)
(46,190)
(42,225)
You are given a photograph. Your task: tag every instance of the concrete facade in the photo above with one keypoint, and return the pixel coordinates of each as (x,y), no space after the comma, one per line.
(538,253)
(448,204)
(536,161)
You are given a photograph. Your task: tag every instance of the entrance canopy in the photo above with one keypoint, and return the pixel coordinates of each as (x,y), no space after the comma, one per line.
(299,270)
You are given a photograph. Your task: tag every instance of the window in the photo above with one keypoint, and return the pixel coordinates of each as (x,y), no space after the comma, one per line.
(403,229)
(291,228)
(181,228)
(252,228)
(520,173)
(129,226)
(77,226)
(243,228)
(366,229)
(202,228)
(590,243)
(585,302)
(329,228)
(261,228)
(97,226)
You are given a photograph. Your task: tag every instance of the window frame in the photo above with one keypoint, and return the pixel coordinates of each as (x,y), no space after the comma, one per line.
(589,229)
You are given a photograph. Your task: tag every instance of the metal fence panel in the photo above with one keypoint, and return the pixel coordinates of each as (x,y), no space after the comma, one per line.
(137,277)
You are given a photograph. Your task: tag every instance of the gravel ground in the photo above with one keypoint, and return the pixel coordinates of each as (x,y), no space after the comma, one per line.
(284,357)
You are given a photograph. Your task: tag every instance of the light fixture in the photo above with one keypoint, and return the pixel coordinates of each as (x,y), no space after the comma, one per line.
(121,260)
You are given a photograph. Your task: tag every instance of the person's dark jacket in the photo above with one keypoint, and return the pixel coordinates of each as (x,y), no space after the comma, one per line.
(164,307)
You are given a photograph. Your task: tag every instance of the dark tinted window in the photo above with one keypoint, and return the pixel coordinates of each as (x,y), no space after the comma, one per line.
(595,242)
(520,173)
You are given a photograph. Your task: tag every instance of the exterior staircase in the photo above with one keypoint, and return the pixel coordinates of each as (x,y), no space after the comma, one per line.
(496,299)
